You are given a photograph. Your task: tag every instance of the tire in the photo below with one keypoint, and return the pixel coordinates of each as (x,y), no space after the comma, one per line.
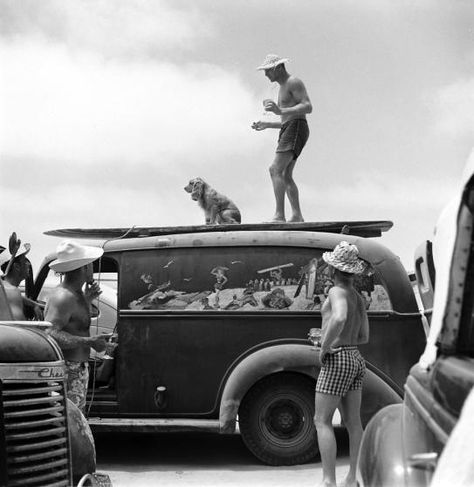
(276,420)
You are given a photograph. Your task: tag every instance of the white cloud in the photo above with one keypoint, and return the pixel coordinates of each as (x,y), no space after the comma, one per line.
(77,108)
(121,28)
(454,108)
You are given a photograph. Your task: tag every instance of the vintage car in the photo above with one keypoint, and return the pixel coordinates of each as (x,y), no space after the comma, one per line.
(402,443)
(44,438)
(212,325)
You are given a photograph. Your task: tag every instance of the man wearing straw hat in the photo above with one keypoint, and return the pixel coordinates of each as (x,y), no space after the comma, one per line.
(344,326)
(68,310)
(292,106)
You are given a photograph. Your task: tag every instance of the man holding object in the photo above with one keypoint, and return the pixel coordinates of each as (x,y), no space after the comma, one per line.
(69,311)
(292,106)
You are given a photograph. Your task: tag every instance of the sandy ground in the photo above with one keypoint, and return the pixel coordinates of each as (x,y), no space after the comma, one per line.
(200,460)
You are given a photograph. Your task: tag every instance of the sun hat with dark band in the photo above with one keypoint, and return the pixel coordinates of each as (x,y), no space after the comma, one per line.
(71,256)
(272,61)
(345,257)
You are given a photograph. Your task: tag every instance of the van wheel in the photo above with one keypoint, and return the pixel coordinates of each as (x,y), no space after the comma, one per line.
(276,420)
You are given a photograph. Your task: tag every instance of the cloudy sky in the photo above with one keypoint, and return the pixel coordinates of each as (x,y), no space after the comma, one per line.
(108,108)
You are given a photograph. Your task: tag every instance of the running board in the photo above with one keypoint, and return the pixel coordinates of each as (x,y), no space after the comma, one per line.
(160,425)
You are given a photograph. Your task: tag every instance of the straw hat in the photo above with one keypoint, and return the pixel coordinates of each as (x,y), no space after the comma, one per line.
(71,256)
(272,61)
(345,257)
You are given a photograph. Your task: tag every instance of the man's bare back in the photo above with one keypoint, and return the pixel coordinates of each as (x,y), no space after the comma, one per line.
(351,307)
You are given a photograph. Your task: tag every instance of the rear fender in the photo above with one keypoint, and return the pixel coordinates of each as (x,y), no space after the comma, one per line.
(299,358)
(260,364)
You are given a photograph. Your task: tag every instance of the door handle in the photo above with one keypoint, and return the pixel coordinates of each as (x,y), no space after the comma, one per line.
(424,461)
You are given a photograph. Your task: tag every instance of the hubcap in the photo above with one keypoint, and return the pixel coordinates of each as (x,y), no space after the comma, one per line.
(283,419)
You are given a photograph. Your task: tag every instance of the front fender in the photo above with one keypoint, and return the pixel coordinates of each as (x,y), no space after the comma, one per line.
(381,459)
(263,362)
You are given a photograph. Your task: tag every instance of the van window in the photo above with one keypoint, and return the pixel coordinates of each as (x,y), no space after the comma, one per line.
(234,279)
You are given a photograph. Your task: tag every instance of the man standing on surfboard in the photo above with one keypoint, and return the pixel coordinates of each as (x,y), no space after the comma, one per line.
(292,106)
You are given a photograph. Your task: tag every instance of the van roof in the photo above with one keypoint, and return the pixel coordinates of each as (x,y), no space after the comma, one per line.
(370,228)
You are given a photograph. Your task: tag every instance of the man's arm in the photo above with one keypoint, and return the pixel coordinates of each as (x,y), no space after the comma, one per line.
(337,319)
(364,331)
(262,125)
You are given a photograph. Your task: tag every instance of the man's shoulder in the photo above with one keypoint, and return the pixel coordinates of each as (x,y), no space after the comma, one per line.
(294,81)
(61,294)
(337,292)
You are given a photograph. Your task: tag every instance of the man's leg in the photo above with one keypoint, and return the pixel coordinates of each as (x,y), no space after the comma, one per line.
(325,405)
(77,380)
(277,170)
(350,410)
(292,193)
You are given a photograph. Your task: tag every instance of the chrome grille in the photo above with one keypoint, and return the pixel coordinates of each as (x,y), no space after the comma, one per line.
(36,437)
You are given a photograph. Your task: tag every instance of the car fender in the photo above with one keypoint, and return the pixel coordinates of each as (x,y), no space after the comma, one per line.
(288,357)
(381,459)
(299,358)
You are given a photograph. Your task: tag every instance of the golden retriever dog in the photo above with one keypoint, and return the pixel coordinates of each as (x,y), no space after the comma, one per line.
(217,208)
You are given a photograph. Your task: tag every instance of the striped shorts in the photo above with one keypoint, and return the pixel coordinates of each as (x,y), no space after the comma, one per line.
(342,371)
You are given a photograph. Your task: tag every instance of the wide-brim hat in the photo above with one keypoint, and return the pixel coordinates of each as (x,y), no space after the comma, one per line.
(345,257)
(72,256)
(272,61)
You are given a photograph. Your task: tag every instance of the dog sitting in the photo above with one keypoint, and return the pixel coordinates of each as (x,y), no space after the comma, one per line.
(217,208)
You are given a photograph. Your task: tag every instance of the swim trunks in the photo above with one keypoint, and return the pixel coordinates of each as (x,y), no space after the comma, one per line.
(293,136)
(77,379)
(342,371)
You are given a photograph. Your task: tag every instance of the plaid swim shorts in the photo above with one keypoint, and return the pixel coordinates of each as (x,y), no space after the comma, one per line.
(77,378)
(342,371)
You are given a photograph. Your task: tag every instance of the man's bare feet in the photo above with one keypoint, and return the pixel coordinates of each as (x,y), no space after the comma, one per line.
(327,483)
(277,219)
(296,219)
(349,482)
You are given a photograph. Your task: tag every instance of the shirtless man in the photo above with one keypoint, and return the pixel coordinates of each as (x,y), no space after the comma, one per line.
(69,311)
(18,271)
(344,326)
(293,105)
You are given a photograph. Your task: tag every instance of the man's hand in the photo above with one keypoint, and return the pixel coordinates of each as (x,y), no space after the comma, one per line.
(325,351)
(92,291)
(39,313)
(260,125)
(271,106)
(99,342)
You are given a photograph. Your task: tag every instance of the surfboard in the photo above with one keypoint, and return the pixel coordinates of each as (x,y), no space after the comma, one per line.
(370,228)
